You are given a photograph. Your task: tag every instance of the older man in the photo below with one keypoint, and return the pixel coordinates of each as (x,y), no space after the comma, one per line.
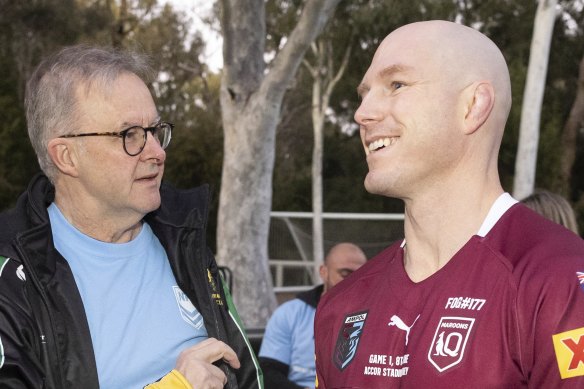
(287,351)
(105,277)
(482,292)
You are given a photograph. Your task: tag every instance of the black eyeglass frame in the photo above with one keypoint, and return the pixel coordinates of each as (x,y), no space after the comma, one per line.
(122,134)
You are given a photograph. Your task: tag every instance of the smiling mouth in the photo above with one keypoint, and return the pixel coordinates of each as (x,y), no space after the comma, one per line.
(381,143)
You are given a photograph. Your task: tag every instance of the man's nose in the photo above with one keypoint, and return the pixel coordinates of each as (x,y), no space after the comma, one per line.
(369,110)
(153,149)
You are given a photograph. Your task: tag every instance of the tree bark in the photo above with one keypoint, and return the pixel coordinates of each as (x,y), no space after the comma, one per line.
(251,102)
(570,134)
(526,162)
(325,78)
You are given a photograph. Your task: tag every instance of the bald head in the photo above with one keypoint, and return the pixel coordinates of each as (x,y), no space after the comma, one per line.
(434,103)
(341,260)
(460,54)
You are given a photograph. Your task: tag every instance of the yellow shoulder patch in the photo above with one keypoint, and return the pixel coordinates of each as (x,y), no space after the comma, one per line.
(569,347)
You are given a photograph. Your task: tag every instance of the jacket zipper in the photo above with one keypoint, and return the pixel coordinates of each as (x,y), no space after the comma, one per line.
(43,338)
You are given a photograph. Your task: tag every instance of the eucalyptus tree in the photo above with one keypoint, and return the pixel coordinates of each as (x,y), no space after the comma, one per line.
(525,166)
(251,98)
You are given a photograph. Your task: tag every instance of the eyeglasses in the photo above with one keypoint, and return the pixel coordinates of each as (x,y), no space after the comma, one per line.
(134,138)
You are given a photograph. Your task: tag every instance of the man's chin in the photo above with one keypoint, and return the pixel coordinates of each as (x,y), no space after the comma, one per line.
(151,206)
(372,186)
(378,186)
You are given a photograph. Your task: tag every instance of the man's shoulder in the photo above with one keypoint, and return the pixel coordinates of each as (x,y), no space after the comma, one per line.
(535,248)
(29,210)
(12,221)
(363,277)
(522,232)
(171,194)
(12,280)
(292,308)
(180,205)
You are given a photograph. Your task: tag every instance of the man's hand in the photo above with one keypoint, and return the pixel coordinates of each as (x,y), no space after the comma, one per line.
(196,364)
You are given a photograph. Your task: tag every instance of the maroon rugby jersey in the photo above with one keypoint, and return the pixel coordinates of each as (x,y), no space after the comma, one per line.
(507,311)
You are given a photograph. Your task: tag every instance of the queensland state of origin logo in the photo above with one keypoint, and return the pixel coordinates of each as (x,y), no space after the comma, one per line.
(449,342)
(348,339)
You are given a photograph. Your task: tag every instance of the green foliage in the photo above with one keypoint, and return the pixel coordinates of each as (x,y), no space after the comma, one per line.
(344,171)
(27,33)
(187,93)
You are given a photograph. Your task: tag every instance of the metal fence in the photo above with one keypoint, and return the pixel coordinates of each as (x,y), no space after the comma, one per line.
(290,242)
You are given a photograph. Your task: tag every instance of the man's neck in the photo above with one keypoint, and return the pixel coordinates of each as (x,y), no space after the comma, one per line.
(436,228)
(105,227)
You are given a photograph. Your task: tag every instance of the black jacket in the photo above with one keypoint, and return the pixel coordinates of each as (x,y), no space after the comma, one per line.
(44,335)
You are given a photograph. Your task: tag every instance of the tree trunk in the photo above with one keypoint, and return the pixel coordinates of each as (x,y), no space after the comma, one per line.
(318,116)
(251,102)
(526,162)
(570,134)
(325,79)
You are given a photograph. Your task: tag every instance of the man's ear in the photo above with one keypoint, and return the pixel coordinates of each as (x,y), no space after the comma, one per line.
(479,104)
(63,156)
(323,272)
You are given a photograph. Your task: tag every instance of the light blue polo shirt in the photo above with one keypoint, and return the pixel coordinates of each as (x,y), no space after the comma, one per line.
(289,338)
(138,318)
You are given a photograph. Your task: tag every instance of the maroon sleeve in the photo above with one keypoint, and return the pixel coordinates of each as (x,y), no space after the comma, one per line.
(319,347)
(551,319)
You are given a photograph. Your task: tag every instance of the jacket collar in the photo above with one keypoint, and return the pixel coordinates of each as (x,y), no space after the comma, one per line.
(312,296)
(176,209)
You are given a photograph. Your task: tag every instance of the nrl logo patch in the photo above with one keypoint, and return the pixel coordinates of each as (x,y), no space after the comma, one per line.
(449,342)
(187,310)
(348,339)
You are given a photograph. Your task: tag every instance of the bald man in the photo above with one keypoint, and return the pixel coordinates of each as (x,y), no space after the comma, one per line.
(482,292)
(287,351)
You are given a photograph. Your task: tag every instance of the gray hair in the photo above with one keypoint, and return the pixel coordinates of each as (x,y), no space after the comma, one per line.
(50,99)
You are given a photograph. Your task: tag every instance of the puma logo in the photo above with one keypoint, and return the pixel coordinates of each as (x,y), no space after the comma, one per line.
(399,323)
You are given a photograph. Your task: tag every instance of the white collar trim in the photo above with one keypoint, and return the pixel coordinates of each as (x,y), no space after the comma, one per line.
(498,209)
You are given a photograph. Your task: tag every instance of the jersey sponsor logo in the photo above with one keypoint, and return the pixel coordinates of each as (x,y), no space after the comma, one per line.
(580,276)
(569,348)
(449,342)
(187,310)
(20,273)
(348,339)
(399,323)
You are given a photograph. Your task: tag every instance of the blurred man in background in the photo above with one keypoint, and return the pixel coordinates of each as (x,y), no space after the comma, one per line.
(287,351)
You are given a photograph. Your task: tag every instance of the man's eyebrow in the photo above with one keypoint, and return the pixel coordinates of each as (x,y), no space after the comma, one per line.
(391,70)
(132,124)
(362,89)
(383,73)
